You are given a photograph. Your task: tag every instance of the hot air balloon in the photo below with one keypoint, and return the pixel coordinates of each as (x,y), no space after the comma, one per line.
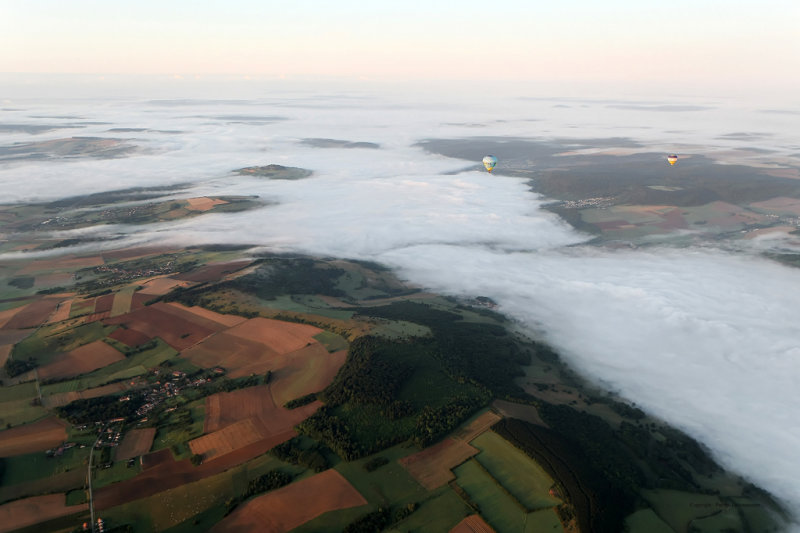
(489,162)
(672,158)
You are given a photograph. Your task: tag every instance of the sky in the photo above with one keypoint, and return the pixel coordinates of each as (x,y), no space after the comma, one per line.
(680,46)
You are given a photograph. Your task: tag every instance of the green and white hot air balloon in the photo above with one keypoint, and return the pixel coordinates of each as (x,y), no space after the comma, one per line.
(489,162)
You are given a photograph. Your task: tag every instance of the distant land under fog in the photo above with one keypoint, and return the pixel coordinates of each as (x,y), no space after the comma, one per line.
(274,315)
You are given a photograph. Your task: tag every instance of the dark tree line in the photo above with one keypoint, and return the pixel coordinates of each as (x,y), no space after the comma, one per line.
(380,520)
(103,408)
(274,479)
(312,457)
(301,401)
(15,367)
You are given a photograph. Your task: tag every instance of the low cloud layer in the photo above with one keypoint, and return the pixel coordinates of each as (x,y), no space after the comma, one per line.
(708,340)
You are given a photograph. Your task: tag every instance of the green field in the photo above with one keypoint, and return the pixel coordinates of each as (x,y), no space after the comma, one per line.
(43,345)
(391,485)
(388,483)
(19,412)
(726,519)
(303,303)
(11,304)
(119,471)
(171,434)
(332,341)
(16,405)
(646,521)
(498,507)
(77,497)
(543,520)
(401,329)
(22,391)
(134,365)
(176,510)
(518,474)
(439,514)
(37,465)
(677,508)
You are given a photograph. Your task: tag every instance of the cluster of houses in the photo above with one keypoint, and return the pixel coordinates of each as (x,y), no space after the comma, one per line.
(120,274)
(169,386)
(101,526)
(59,451)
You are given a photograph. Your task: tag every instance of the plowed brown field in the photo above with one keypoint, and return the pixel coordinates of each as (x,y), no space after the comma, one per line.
(55,278)
(220,318)
(477,426)
(213,271)
(61,312)
(30,511)
(203,203)
(240,357)
(241,417)
(284,509)
(162,472)
(81,360)
(230,438)
(472,524)
(135,443)
(159,286)
(202,315)
(35,437)
(528,413)
(63,398)
(5,350)
(103,304)
(226,408)
(432,466)
(130,337)
(160,320)
(62,263)
(8,314)
(33,314)
(279,336)
(304,371)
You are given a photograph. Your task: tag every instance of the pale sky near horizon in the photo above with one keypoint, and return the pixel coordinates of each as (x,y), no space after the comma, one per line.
(711,43)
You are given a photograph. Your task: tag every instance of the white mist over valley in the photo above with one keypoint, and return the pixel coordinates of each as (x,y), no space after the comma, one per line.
(704,335)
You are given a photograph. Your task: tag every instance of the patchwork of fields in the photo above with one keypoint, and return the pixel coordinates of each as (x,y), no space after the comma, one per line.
(200,382)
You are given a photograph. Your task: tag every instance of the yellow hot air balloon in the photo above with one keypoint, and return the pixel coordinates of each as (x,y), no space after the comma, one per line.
(672,158)
(489,162)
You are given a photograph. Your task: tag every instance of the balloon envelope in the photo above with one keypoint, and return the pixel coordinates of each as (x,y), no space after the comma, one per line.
(672,158)
(489,162)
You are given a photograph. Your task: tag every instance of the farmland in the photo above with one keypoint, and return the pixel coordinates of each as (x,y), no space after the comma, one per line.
(32,437)
(287,508)
(136,442)
(29,511)
(375,398)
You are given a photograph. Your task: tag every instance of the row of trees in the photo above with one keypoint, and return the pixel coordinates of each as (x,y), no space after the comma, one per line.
(381,519)
(311,457)
(274,479)
(15,367)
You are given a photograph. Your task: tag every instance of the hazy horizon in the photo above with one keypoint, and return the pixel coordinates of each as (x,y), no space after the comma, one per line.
(689,48)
